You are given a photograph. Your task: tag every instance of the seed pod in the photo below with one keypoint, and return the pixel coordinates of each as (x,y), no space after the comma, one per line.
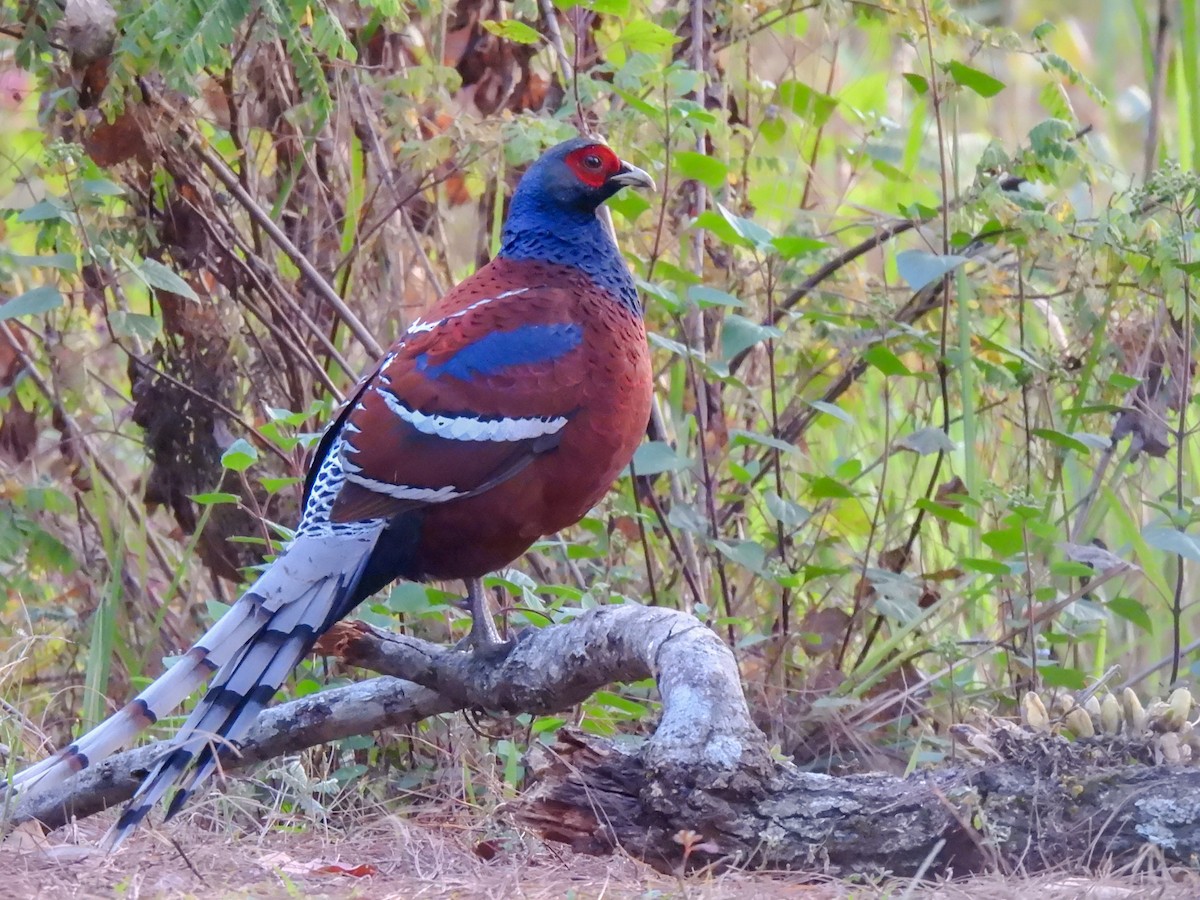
(1033,713)
(1110,714)
(1063,704)
(1080,723)
(1135,715)
(1180,702)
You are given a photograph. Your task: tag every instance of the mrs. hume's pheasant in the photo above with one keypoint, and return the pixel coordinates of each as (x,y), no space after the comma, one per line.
(499,417)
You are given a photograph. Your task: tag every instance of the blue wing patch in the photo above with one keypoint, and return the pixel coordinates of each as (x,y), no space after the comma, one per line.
(499,350)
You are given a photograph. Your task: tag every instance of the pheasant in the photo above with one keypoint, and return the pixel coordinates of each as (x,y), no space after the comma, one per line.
(500,416)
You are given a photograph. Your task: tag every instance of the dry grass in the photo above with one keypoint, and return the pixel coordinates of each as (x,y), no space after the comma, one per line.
(414,859)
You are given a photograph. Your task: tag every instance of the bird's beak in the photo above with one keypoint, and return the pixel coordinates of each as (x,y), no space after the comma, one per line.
(631,176)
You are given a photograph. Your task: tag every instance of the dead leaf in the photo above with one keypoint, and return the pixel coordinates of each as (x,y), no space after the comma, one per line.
(951,489)
(894,560)
(487,850)
(28,837)
(289,865)
(828,625)
(362,870)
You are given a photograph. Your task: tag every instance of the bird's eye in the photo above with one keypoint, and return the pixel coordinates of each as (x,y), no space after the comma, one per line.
(593,162)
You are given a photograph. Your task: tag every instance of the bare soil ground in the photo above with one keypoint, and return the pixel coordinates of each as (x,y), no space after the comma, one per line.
(390,857)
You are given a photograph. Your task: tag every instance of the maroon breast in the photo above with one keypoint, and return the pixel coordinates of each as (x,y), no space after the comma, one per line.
(604,388)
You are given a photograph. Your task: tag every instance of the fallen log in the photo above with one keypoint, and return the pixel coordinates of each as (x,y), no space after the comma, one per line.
(704,788)
(1054,804)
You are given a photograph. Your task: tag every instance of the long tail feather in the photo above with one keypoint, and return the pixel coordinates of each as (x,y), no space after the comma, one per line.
(174,686)
(252,649)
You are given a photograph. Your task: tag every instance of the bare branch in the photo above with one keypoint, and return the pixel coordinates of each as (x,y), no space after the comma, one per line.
(705,719)
(317,719)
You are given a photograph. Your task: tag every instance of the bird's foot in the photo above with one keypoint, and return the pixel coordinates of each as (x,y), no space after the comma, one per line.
(488,645)
(483,640)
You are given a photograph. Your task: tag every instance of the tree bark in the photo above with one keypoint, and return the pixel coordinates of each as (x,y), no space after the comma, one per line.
(704,789)
(1054,803)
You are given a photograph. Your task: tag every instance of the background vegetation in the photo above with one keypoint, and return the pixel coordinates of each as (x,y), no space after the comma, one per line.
(919,280)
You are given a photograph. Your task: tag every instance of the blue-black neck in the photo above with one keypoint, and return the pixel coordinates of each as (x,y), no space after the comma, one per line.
(575,238)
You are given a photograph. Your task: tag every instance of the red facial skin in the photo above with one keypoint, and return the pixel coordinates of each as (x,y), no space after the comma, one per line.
(594,164)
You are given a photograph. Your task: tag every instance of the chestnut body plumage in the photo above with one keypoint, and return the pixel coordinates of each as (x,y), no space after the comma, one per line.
(584,410)
(500,416)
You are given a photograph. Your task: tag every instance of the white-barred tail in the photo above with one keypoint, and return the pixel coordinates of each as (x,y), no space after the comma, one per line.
(251,650)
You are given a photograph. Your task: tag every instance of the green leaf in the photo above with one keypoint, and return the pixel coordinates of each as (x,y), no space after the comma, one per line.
(710,221)
(408,597)
(617,702)
(240,456)
(1005,541)
(826,487)
(1056,101)
(1068,569)
(704,296)
(752,233)
(897,595)
(980,82)
(1052,138)
(127,324)
(986,566)
(1132,611)
(31,303)
(806,102)
(643,36)
(792,246)
(739,333)
(1056,676)
(740,438)
(789,514)
(919,83)
(653,113)
(1061,439)
(699,167)
(274,485)
(1042,31)
(919,267)
(102,187)
(213,498)
(831,409)
(629,204)
(1093,441)
(216,609)
(1173,541)
(156,275)
(654,457)
(619,8)
(946,513)
(512,30)
(885,361)
(65,262)
(42,211)
(748,554)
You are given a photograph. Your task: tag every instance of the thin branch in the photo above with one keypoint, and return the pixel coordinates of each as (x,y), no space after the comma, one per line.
(216,165)
(1158,84)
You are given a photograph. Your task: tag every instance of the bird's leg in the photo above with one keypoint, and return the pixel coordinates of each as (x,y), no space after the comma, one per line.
(483,636)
